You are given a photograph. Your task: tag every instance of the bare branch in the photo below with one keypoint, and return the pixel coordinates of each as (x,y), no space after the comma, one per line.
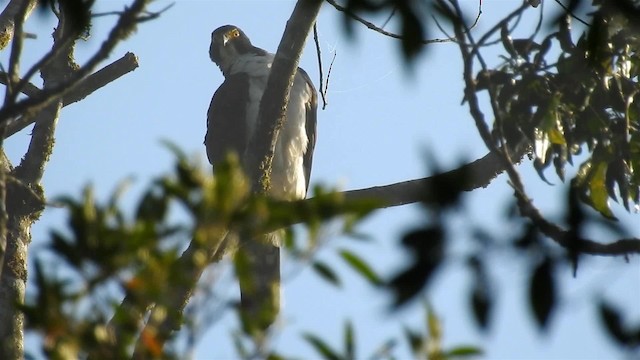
(125,25)
(319,53)
(377,29)
(14,58)
(568,11)
(86,87)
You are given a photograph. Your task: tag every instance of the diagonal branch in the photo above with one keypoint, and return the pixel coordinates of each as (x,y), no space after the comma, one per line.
(86,87)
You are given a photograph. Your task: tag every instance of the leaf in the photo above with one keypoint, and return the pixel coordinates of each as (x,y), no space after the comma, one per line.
(325,272)
(153,207)
(434,340)
(434,326)
(481,299)
(464,351)
(322,347)
(542,292)
(481,303)
(598,195)
(360,266)
(427,245)
(613,323)
(349,344)
(415,340)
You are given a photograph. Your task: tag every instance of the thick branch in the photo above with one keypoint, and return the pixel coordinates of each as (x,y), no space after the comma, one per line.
(274,101)
(86,87)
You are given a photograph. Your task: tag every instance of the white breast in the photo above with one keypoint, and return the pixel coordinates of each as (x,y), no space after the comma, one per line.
(287,177)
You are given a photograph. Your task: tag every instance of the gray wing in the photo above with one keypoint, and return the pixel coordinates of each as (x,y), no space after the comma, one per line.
(311,108)
(226,125)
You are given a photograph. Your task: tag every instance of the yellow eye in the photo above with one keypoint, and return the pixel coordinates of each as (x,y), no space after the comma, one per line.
(234,33)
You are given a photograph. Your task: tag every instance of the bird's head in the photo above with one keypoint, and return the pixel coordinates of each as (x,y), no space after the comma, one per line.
(227,43)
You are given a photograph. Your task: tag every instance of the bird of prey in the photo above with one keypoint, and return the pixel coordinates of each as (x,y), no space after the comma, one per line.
(231,125)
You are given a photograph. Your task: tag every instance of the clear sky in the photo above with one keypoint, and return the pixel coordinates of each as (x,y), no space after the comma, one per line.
(380,122)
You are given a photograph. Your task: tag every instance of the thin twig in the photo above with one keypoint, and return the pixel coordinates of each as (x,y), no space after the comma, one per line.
(326,85)
(14,58)
(376,28)
(393,12)
(566,9)
(321,86)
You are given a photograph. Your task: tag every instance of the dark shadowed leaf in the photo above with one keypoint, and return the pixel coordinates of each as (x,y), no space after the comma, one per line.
(542,293)
(612,320)
(481,304)
(481,298)
(152,207)
(427,246)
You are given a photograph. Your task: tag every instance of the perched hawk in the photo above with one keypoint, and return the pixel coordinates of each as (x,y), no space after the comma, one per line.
(232,123)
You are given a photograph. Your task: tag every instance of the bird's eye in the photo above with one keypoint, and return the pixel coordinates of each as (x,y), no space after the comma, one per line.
(235,33)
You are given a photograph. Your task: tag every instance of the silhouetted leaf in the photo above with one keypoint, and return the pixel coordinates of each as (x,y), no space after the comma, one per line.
(427,246)
(481,298)
(360,266)
(322,347)
(542,292)
(326,272)
(613,323)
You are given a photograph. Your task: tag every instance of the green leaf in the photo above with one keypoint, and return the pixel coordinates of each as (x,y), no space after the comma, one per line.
(326,273)
(598,194)
(464,351)
(360,266)
(322,347)
(434,326)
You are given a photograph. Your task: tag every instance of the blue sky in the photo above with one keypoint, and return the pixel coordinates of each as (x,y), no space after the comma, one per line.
(380,123)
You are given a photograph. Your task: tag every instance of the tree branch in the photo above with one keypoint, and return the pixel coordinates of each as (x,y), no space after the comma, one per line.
(565,238)
(125,25)
(7,19)
(86,87)
(276,96)
(377,29)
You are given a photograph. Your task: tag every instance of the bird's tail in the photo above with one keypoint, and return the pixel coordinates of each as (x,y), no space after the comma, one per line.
(258,271)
